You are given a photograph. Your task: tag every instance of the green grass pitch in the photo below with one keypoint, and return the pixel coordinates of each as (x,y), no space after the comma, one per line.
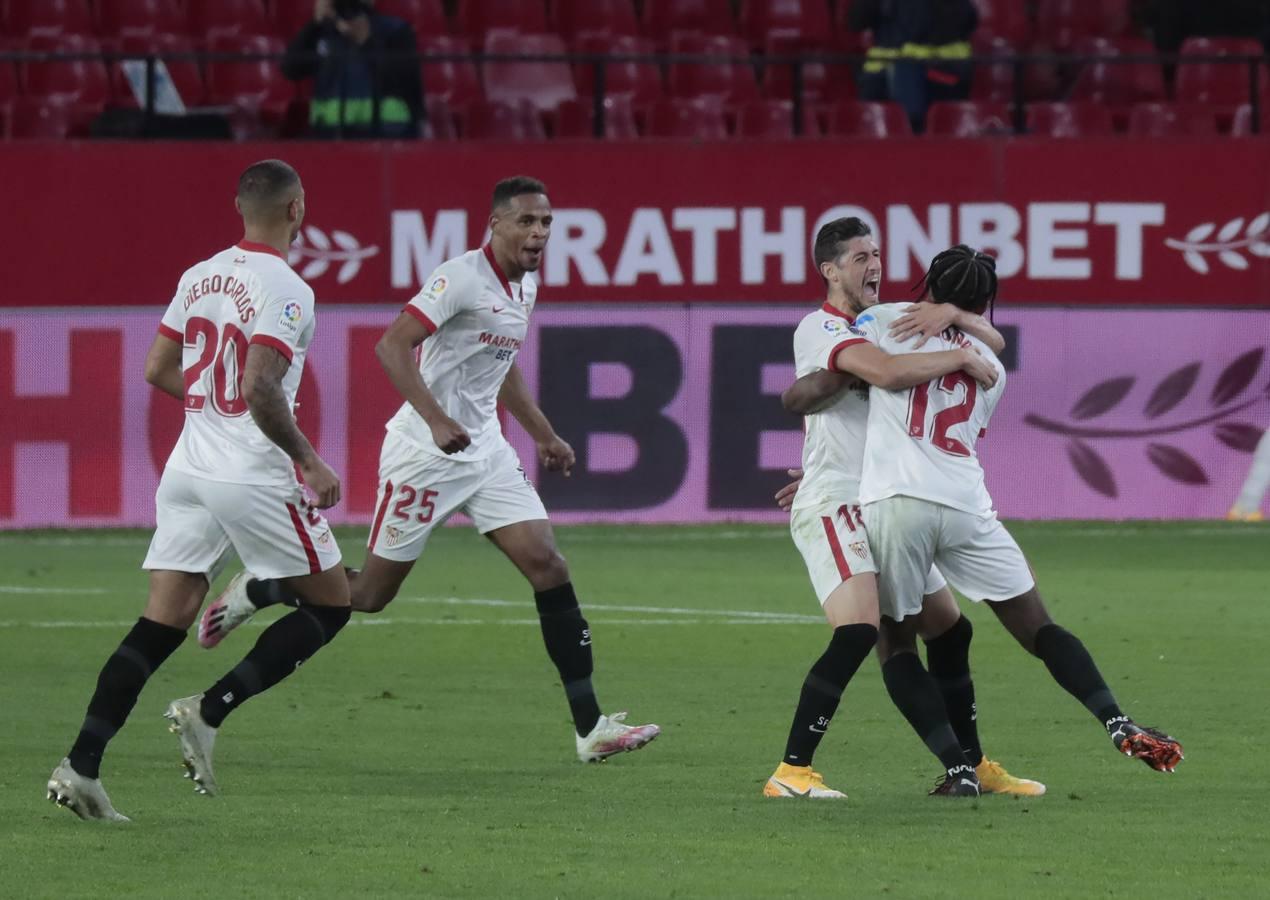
(428,751)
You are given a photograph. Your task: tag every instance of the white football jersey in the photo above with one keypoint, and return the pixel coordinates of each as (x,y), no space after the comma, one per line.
(833,447)
(244,295)
(921,441)
(476,321)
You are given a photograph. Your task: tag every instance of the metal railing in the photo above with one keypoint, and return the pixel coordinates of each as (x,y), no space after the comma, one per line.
(600,63)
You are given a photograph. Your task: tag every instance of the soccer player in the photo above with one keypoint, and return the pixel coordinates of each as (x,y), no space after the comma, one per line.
(232,346)
(825,518)
(445,452)
(926,503)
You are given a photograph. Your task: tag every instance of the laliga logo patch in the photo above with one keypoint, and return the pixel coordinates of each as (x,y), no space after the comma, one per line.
(833,326)
(291,315)
(436,288)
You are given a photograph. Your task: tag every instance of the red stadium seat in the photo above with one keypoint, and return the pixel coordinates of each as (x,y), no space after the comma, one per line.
(8,82)
(1067,120)
(211,19)
(83,80)
(968,119)
(1118,84)
(477,18)
(1007,19)
(733,82)
(454,81)
(121,18)
(995,82)
(1171,119)
(581,17)
(576,119)
(700,118)
(427,17)
(1061,23)
(807,20)
(253,85)
(822,82)
(665,18)
(544,84)
(185,73)
(1242,124)
(1218,83)
(639,81)
(851,118)
(35,118)
(773,119)
(441,122)
(504,122)
(31,18)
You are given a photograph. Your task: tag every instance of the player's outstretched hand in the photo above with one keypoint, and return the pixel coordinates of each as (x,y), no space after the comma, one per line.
(924,319)
(321,481)
(785,496)
(978,368)
(449,435)
(556,455)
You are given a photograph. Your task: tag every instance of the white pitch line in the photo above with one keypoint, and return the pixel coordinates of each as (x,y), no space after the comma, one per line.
(25,589)
(379,622)
(618,607)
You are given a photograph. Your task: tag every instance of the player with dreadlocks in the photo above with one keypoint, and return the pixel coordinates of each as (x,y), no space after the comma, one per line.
(925,503)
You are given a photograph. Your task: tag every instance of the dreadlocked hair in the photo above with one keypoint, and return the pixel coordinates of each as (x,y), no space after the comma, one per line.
(963,277)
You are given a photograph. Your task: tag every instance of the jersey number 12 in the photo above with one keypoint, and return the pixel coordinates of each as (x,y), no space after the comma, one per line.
(946,418)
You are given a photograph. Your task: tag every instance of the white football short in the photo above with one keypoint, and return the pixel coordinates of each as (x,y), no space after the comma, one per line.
(975,552)
(274,530)
(835,546)
(419,490)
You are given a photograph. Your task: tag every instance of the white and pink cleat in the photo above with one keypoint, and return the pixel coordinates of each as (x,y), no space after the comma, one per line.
(611,735)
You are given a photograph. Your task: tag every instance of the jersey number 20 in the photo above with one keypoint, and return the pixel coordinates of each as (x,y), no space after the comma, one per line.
(224,351)
(919,399)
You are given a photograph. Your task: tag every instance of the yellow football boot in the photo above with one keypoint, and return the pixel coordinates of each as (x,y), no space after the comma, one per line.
(1238,515)
(994,779)
(799,781)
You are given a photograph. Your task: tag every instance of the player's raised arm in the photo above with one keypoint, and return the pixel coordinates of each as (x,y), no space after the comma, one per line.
(554,452)
(163,365)
(395,351)
(267,401)
(897,372)
(813,391)
(931,319)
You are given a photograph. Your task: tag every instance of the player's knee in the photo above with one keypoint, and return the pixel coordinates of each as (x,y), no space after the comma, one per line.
(329,618)
(371,598)
(545,567)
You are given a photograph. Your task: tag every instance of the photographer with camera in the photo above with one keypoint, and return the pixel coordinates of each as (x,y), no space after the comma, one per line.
(365,71)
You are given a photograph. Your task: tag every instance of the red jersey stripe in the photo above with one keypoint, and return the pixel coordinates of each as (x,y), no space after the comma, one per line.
(379,515)
(314,566)
(171,333)
(268,340)
(839,347)
(422,317)
(835,546)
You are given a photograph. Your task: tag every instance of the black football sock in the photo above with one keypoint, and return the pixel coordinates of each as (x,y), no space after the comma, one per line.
(1074,670)
(264,592)
(281,649)
(123,676)
(568,640)
(916,695)
(948,658)
(823,688)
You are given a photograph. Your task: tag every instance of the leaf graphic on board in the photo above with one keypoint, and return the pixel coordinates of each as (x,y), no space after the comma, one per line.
(344,240)
(349,270)
(1176,464)
(1196,262)
(1259,230)
(1232,259)
(1230,229)
(1238,435)
(1091,468)
(1200,232)
(1172,390)
(317,238)
(1237,376)
(1102,397)
(316,268)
